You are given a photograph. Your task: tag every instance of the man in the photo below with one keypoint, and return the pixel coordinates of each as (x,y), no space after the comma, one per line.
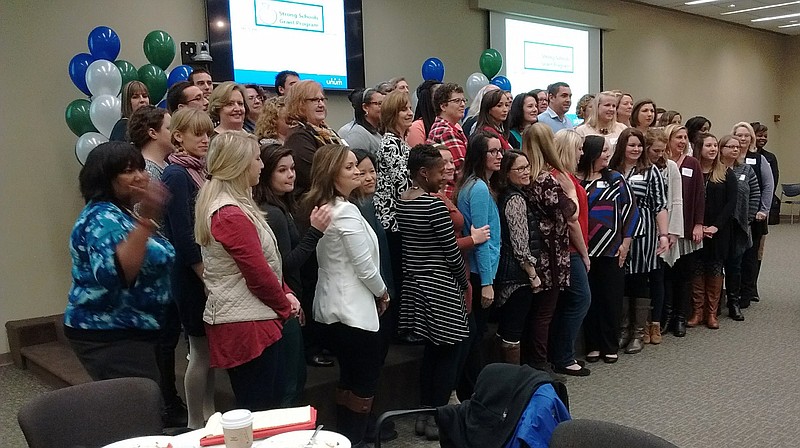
(202,79)
(449,101)
(185,94)
(560,99)
(284,81)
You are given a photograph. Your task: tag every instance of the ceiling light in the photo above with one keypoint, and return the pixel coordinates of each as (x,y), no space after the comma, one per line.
(785,16)
(789,26)
(698,2)
(759,8)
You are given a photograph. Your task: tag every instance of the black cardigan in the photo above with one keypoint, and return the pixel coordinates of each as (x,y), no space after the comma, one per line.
(720,205)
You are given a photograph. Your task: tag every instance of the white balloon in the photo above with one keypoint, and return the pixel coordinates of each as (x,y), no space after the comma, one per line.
(103,78)
(86,143)
(414,99)
(474,84)
(105,112)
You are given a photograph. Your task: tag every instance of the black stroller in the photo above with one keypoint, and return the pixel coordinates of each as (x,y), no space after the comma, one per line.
(492,415)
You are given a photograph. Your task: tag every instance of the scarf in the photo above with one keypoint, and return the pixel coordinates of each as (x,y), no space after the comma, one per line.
(196,167)
(324,135)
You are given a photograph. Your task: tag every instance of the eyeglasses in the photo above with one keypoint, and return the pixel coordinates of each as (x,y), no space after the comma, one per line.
(319,99)
(377,103)
(197,98)
(732,147)
(458,100)
(522,169)
(495,152)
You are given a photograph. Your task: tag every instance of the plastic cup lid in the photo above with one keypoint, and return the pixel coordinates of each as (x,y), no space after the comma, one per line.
(237,418)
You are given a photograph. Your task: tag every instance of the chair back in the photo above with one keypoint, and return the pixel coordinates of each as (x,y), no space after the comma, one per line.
(93,414)
(585,433)
(790,190)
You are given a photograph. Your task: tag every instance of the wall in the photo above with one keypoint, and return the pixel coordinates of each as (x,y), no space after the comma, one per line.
(787,150)
(692,64)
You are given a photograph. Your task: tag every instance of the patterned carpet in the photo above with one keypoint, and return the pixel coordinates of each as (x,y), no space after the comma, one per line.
(733,387)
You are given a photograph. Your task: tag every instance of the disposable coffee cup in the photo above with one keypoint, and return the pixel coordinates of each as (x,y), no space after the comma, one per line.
(237,428)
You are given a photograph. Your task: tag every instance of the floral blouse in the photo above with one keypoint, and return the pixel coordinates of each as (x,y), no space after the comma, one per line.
(393,178)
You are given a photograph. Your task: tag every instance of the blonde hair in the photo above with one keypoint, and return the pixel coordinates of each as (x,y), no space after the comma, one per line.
(296,99)
(228,161)
(656,135)
(538,145)
(718,169)
(328,161)
(221,95)
(749,128)
(567,142)
(594,119)
(267,124)
(189,119)
(672,129)
(392,105)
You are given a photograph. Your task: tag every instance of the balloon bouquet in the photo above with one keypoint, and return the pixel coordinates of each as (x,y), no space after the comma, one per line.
(100,75)
(490,63)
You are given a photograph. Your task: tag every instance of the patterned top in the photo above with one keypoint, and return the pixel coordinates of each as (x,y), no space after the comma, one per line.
(450,135)
(651,197)
(552,206)
(393,178)
(613,214)
(99,299)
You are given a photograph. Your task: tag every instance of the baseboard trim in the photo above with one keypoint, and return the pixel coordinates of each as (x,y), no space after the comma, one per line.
(6,359)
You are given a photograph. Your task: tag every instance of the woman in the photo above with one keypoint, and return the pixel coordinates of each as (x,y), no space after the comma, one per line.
(471,118)
(523,113)
(227,107)
(720,191)
(584,108)
(670,117)
(254,98)
(645,182)
(363,132)
(307,108)
(186,173)
(273,194)
(350,293)
(434,281)
(134,96)
(574,300)
(552,196)
(603,119)
(272,127)
(695,126)
(643,116)
(625,109)
(247,301)
(751,261)
(148,130)
(493,113)
(613,218)
(762,136)
(542,102)
(655,146)
(748,199)
(425,113)
(120,267)
(476,202)
(677,277)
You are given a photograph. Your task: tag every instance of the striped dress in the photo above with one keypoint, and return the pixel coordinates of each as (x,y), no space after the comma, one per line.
(434,277)
(613,214)
(651,197)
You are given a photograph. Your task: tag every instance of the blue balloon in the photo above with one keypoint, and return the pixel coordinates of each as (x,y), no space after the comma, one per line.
(77,70)
(433,70)
(162,104)
(502,82)
(104,43)
(178,74)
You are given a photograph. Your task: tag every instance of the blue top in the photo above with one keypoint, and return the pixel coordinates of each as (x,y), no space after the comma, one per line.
(540,418)
(550,118)
(477,205)
(99,298)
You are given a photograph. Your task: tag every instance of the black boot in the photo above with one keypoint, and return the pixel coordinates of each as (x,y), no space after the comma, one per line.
(732,288)
(641,313)
(734,311)
(625,331)
(352,416)
(667,318)
(680,325)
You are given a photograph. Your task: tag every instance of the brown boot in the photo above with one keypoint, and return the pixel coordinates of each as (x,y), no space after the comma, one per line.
(713,291)
(510,352)
(655,333)
(698,299)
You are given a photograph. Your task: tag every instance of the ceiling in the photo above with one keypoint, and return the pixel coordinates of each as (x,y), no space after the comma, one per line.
(715,10)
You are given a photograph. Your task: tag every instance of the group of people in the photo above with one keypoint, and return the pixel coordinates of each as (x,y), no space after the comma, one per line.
(271,236)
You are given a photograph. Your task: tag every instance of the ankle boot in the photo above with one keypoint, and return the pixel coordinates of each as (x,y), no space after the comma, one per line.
(733,286)
(698,299)
(641,312)
(625,332)
(510,352)
(680,325)
(667,317)
(734,311)
(655,333)
(713,292)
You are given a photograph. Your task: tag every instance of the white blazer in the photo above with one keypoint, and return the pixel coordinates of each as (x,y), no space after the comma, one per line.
(349,270)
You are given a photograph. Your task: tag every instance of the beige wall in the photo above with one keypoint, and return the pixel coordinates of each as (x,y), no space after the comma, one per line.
(692,64)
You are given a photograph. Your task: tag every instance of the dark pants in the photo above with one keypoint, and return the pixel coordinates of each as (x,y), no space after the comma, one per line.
(678,284)
(258,384)
(637,285)
(439,372)
(478,324)
(601,325)
(294,363)
(573,304)
(118,359)
(656,278)
(392,316)
(751,264)
(169,335)
(537,330)
(359,354)
(514,314)
(733,275)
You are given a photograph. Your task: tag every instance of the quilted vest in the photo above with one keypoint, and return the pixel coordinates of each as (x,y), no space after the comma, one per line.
(509,270)
(229,299)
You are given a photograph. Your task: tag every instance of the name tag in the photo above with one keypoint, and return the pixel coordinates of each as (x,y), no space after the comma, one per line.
(636,178)
(750,161)
(688,172)
(602,184)
(742,177)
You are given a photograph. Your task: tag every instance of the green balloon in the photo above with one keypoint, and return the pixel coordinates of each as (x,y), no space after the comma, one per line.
(159,48)
(77,116)
(490,62)
(127,70)
(156,81)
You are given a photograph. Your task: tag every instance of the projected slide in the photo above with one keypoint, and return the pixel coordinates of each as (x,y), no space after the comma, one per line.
(268,36)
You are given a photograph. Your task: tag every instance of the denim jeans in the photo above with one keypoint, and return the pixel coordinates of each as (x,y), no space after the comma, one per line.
(573,303)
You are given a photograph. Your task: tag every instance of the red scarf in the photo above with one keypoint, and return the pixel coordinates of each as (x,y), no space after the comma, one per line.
(196,167)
